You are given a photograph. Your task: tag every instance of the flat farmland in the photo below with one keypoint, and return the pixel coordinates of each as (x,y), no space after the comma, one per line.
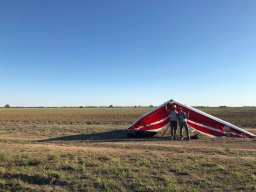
(59,149)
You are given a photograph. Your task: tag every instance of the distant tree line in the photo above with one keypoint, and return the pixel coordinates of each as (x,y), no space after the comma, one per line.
(92,106)
(109,106)
(7,106)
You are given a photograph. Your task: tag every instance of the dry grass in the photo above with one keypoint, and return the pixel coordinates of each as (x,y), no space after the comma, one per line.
(84,150)
(240,116)
(71,115)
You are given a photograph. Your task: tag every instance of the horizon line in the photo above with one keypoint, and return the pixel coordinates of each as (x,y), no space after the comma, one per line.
(119,106)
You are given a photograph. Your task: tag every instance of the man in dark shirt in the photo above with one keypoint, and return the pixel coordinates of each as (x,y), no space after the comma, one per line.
(182,118)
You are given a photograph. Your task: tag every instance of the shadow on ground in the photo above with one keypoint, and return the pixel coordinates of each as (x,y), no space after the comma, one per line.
(110,136)
(35,179)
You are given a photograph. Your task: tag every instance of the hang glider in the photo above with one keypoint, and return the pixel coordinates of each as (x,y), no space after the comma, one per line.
(158,119)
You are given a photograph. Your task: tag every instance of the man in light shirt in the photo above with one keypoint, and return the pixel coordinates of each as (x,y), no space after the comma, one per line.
(173,122)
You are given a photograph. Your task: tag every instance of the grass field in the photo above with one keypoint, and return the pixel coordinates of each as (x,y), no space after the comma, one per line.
(87,150)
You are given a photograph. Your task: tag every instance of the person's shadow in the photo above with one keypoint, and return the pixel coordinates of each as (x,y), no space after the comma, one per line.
(110,136)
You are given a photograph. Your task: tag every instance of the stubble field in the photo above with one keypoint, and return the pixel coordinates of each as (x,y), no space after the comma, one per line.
(87,150)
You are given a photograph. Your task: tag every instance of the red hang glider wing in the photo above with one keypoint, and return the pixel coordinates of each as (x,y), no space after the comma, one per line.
(153,121)
(211,125)
(157,119)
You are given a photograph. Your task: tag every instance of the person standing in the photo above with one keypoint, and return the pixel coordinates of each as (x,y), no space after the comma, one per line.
(173,122)
(182,118)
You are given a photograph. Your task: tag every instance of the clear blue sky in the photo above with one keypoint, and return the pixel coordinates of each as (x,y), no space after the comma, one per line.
(68,53)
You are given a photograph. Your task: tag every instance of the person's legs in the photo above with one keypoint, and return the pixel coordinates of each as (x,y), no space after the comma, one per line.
(187,131)
(171,127)
(181,128)
(175,129)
